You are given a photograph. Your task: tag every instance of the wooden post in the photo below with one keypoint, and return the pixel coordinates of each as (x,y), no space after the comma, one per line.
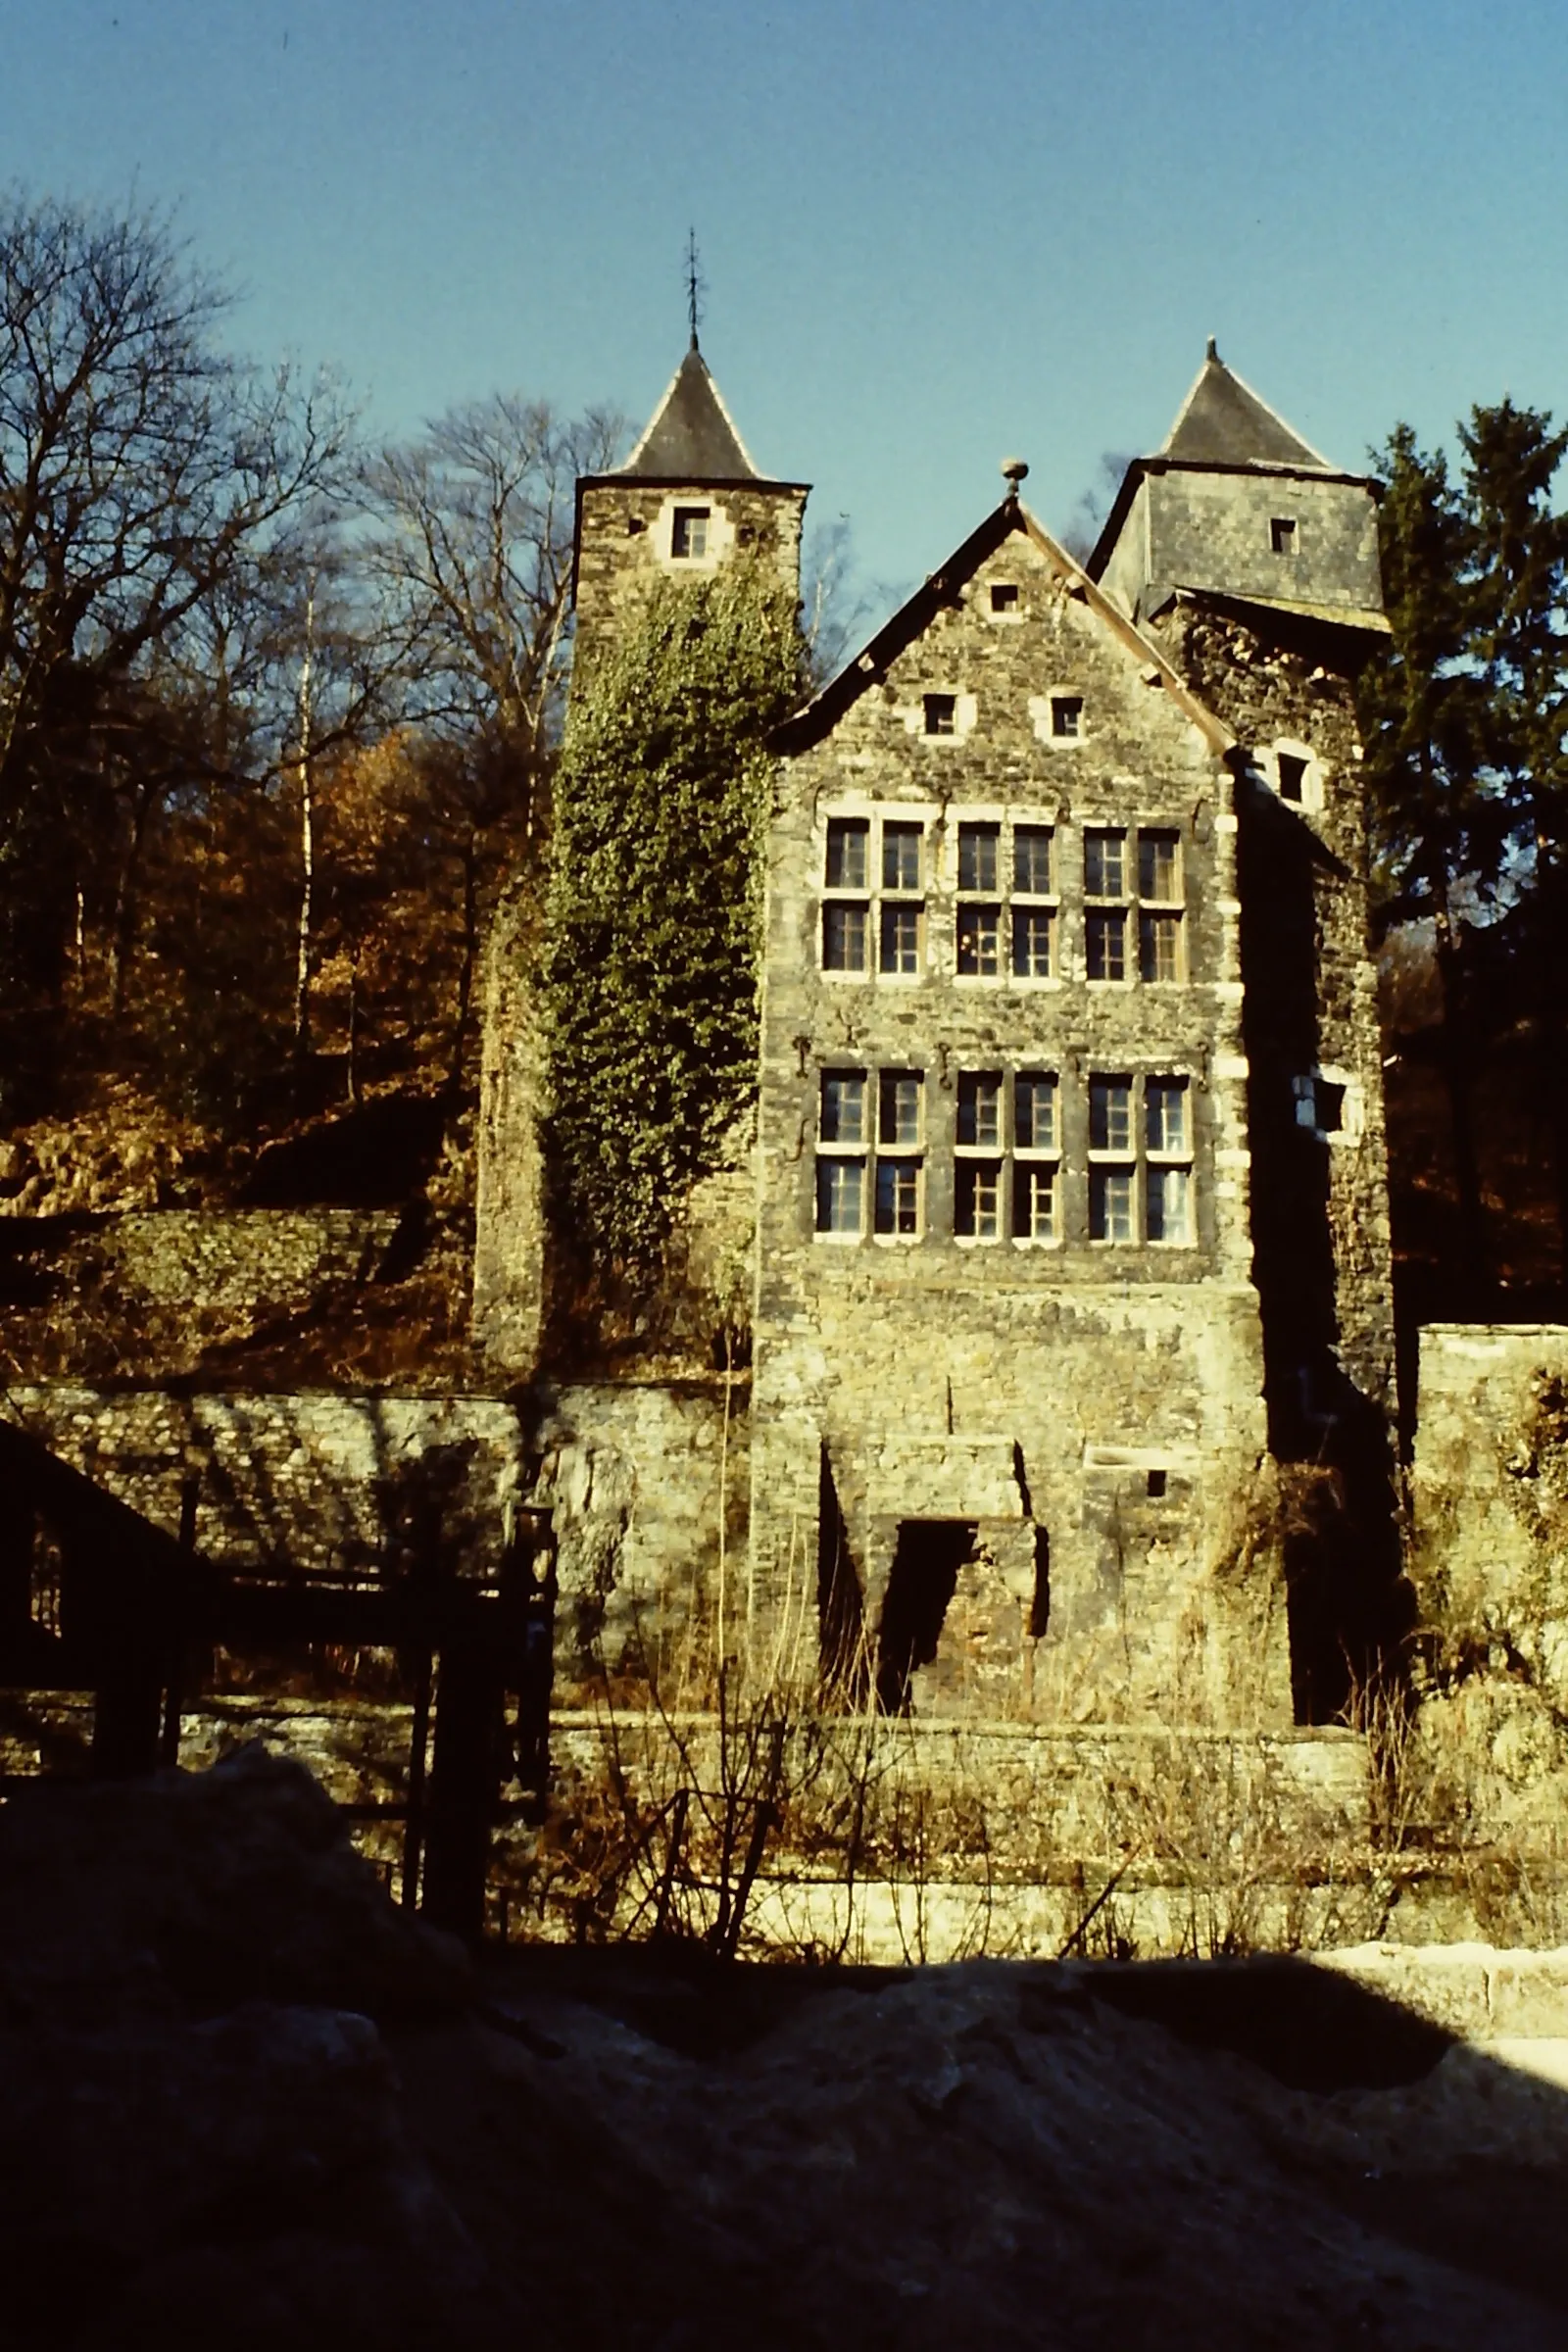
(466,1778)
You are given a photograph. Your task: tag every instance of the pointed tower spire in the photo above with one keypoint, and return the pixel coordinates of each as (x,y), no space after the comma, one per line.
(1223,422)
(691,436)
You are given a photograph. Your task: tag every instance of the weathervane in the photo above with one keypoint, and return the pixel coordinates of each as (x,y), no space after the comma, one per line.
(695,287)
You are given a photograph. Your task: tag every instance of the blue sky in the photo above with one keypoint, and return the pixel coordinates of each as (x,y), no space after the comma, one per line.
(933,233)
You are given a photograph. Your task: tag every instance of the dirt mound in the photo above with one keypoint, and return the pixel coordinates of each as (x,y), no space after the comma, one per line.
(201,1890)
(246,2097)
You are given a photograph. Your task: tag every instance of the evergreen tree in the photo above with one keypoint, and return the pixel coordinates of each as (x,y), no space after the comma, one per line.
(1437,832)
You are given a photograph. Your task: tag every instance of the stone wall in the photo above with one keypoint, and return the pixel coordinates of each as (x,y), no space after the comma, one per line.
(321,1481)
(624,542)
(639,1479)
(509,1211)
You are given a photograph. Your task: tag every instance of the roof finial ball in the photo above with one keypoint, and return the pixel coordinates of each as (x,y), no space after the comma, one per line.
(1013,470)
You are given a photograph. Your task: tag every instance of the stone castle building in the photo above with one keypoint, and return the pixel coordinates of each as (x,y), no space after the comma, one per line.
(1067,1206)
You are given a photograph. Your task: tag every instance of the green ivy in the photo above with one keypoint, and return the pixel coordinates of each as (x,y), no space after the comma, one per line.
(654,914)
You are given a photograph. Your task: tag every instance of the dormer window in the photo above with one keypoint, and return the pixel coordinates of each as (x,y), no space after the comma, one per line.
(687,538)
(1282,535)
(941,713)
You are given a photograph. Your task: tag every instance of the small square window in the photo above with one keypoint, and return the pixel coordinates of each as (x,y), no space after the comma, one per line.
(1104,865)
(1329,1104)
(840,1185)
(900,857)
(848,839)
(979,1124)
(843,1116)
(687,538)
(898,1106)
(978,1199)
(941,713)
(1292,770)
(1154,1485)
(844,929)
(1034,942)
(1105,940)
(1004,595)
(898,1197)
(1034,1111)
(901,923)
(980,941)
(979,856)
(1032,859)
(1068,717)
(1282,535)
(1034,1203)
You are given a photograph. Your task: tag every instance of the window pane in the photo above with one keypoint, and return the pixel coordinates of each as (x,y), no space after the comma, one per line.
(899,1113)
(1106,937)
(847,853)
(839,1185)
(1159,866)
(1111,1205)
(977,856)
(1034,1112)
(980,1110)
(980,941)
(689,536)
(898,1195)
(978,1199)
(1034,1203)
(1030,859)
(901,937)
(1034,942)
(842,1106)
(900,857)
(1111,1114)
(847,837)
(1159,946)
(1104,864)
(1165,1114)
(844,938)
(1169,1204)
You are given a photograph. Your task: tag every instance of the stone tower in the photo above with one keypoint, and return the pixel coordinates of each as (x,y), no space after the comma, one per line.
(1255,560)
(687,501)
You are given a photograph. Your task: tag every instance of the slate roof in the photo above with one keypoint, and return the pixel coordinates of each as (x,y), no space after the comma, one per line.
(691,437)
(1222,422)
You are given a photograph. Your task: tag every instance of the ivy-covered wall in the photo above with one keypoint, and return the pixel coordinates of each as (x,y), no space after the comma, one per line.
(650,970)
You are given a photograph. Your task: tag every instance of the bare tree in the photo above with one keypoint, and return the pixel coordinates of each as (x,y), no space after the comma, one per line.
(473,549)
(144,474)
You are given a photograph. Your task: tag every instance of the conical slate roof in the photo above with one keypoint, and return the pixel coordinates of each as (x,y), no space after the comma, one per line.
(691,438)
(1223,423)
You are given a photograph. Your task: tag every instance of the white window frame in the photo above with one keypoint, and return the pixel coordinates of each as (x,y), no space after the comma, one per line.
(878,894)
